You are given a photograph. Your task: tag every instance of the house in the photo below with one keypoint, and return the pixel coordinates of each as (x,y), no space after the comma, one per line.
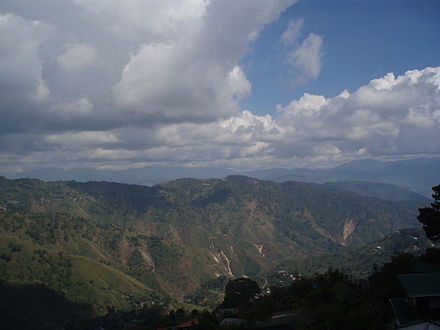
(422,301)
(422,326)
(226,312)
(186,325)
(403,314)
(423,294)
(288,320)
(426,267)
(234,322)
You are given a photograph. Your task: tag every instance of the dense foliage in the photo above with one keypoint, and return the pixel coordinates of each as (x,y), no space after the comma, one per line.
(103,248)
(430,216)
(331,300)
(360,262)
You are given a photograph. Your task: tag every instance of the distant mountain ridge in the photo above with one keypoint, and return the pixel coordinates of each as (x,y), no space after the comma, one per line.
(417,175)
(383,191)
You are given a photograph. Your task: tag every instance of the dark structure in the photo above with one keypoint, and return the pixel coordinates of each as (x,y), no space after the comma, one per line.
(288,320)
(423,294)
(430,217)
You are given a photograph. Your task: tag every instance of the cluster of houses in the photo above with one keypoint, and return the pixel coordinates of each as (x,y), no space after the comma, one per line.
(420,308)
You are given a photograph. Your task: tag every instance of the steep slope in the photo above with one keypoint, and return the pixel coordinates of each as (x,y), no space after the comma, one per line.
(177,236)
(35,249)
(360,262)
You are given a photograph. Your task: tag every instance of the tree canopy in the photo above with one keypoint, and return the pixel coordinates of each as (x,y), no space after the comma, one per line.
(240,291)
(430,217)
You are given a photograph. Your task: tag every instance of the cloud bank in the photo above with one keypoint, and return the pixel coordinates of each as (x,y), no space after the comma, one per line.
(116,84)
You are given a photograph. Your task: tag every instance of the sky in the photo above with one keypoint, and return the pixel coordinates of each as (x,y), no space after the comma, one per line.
(242,84)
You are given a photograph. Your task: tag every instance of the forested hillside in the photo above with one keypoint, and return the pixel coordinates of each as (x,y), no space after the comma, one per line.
(111,245)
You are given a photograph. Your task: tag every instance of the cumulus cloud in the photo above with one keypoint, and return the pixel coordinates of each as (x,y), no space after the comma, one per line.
(139,21)
(159,82)
(23,89)
(21,81)
(195,77)
(389,116)
(141,63)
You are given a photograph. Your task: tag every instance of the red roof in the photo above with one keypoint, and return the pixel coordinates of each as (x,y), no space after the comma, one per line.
(188,324)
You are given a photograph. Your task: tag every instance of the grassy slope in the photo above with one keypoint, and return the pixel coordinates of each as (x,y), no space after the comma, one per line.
(188,231)
(80,279)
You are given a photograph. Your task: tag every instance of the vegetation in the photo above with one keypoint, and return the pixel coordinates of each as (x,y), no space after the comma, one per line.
(240,292)
(133,252)
(358,262)
(430,216)
(329,300)
(375,189)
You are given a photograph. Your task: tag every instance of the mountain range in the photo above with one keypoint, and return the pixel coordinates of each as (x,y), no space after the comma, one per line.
(418,175)
(110,245)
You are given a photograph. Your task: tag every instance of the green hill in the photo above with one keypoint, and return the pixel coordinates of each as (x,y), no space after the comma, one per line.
(361,262)
(80,279)
(123,243)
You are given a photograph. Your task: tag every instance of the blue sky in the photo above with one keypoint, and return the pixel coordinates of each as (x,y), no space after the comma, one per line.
(241,84)
(363,40)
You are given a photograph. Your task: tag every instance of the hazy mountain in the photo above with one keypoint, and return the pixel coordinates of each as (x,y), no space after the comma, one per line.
(148,176)
(417,175)
(376,189)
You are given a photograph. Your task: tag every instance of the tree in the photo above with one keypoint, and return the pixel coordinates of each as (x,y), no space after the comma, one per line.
(430,217)
(239,292)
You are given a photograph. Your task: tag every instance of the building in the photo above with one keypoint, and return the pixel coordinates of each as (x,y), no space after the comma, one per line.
(422,299)
(292,319)
(423,293)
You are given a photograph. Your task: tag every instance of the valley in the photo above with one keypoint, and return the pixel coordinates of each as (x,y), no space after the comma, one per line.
(119,246)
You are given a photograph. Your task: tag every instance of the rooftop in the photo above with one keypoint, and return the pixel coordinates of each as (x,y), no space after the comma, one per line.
(421,285)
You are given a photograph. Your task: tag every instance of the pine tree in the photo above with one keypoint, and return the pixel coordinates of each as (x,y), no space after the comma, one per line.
(430,217)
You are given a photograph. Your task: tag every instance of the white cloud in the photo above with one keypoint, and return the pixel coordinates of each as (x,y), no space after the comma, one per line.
(238,84)
(77,57)
(307,106)
(317,129)
(311,131)
(160,82)
(136,62)
(81,139)
(194,76)
(152,20)
(292,33)
(21,67)
(306,59)
(388,116)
